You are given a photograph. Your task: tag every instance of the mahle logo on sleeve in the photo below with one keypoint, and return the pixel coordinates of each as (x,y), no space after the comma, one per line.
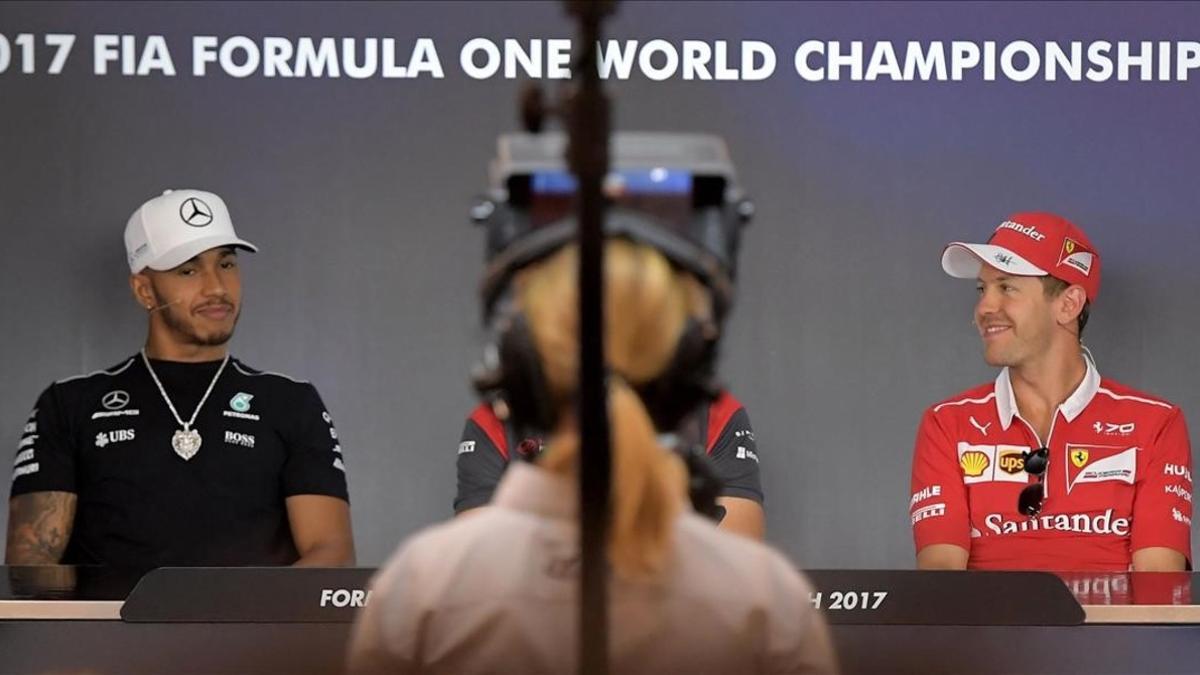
(240,402)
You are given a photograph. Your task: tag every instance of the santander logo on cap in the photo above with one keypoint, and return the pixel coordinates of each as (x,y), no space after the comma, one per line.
(1032,243)
(1030,231)
(1054,245)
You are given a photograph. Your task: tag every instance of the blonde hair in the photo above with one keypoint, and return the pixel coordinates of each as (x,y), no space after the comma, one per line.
(646,306)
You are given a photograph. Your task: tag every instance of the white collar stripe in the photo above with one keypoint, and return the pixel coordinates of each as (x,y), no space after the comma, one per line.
(965,401)
(1139,399)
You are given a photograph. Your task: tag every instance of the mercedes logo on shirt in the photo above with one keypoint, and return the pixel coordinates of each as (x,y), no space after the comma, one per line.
(115,400)
(195,212)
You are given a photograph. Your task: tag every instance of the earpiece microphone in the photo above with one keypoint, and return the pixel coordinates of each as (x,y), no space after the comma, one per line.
(163,306)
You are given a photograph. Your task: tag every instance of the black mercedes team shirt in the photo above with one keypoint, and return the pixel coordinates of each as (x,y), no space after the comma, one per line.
(488,443)
(107,438)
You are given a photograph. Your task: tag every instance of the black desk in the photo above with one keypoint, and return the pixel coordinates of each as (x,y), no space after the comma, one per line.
(67,620)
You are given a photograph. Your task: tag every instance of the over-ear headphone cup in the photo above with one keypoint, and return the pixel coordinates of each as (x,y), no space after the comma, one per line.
(523,382)
(688,380)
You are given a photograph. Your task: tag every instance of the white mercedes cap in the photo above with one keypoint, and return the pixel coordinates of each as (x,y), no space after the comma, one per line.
(171,229)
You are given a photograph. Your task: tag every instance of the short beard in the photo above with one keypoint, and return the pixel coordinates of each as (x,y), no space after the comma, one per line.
(181,327)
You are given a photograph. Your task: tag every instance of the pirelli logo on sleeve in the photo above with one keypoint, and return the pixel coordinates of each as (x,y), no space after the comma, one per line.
(992,463)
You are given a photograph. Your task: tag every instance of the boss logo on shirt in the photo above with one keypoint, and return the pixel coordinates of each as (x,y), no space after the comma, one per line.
(118,436)
(990,463)
(235,438)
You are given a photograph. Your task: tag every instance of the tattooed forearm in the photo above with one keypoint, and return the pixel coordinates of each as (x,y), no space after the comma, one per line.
(39,527)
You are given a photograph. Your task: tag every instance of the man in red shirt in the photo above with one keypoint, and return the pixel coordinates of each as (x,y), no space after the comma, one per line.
(1051,466)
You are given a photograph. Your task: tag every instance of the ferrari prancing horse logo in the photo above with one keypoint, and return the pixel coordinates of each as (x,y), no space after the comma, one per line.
(1079,457)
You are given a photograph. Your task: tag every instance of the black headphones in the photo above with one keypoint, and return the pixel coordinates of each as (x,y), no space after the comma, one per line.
(517,384)
(512,372)
(705,244)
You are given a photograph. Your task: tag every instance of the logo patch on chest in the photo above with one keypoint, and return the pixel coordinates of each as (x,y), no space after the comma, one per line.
(116,436)
(235,438)
(1100,464)
(988,463)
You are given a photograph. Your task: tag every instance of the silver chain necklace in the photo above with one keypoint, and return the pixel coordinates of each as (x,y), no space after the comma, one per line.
(185,441)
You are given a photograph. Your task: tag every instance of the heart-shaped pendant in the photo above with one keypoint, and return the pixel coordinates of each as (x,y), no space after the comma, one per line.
(186,443)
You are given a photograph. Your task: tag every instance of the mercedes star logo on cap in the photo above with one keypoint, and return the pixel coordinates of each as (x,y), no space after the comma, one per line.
(115,400)
(195,212)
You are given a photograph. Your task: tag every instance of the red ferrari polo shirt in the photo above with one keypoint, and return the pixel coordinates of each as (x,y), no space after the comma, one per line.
(1118,479)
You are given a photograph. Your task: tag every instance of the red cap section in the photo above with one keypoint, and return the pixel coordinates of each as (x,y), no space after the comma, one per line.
(1054,244)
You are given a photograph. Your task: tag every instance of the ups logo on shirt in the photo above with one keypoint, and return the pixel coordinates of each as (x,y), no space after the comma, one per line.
(990,463)
(1011,462)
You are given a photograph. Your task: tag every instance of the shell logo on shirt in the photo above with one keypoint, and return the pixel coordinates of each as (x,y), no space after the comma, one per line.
(973,463)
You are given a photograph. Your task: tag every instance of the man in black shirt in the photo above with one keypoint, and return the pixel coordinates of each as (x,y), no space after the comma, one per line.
(180,455)
(721,427)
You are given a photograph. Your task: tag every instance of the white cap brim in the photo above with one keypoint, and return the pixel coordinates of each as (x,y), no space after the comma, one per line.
(964,261)
(181,254)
